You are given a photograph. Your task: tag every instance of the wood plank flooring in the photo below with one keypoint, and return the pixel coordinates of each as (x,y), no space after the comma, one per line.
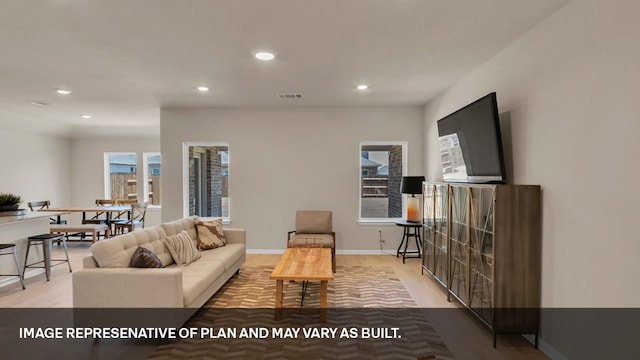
(463,334)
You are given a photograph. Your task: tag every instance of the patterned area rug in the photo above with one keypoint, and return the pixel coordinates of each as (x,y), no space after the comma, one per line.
(371,316)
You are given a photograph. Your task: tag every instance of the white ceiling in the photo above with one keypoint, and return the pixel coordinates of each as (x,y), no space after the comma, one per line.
(125,59)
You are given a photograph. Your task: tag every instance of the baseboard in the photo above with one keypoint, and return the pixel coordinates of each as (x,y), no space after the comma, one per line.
(547,349)
(265,251)
(14,279)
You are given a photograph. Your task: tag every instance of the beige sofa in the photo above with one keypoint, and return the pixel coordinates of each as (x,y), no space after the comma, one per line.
(107,281)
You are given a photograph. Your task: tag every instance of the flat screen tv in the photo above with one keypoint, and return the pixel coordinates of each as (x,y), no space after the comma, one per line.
(471,144)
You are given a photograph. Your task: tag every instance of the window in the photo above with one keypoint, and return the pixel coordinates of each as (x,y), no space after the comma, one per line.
(122,172)
(151,162)
(382,165)
(206,179)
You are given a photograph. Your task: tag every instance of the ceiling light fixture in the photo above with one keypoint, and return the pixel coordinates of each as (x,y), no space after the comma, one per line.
(264,56)
(362,87)
(86,116)
(63,91)
(203,88)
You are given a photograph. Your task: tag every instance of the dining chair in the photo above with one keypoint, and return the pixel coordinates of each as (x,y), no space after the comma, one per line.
(126,201)
(123,213)
(314,226)
(101,217)
(44,204)
(138,212)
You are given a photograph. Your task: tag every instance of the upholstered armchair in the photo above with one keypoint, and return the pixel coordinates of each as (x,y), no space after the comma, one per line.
(311,226)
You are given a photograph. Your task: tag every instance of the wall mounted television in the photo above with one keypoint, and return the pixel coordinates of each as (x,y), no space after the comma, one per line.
(471,143)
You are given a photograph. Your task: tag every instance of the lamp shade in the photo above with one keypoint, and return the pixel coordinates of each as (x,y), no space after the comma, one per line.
(411,184)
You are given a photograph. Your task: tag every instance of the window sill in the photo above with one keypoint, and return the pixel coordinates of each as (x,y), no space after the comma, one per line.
(224,221)
(377,222)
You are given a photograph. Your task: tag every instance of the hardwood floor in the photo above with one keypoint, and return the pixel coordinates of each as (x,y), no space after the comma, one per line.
(463,335)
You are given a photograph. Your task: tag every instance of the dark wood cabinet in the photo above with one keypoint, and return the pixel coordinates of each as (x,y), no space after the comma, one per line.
(483,243)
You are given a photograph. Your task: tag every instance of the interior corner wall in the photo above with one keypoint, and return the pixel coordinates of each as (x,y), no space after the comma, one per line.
(87,172)
(286,159)
(568,96)
(35,166)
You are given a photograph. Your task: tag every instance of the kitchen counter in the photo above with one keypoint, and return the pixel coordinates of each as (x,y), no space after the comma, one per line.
(16,230)
(26,217)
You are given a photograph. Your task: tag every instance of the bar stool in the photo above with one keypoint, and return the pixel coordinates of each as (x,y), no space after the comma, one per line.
(10,249)
(46,241)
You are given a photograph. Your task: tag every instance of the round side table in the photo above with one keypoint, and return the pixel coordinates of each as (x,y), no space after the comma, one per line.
(411,230)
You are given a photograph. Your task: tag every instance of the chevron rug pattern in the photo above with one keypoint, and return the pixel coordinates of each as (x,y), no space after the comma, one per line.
(371,300)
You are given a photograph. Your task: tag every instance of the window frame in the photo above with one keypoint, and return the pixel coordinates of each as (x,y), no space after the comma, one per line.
(185,175)
(107,170)
(385,220)
(145,176)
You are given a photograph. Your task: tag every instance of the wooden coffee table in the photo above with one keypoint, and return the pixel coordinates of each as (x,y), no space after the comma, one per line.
(306,264)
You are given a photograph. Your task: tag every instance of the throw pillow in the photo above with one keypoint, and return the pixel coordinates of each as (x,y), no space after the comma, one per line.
(144,258)
(210,234)
(182,249)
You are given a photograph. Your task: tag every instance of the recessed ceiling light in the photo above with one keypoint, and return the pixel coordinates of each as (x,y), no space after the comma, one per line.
(265,56)
(63,91)
(86,116)
(203,88)
(362,87)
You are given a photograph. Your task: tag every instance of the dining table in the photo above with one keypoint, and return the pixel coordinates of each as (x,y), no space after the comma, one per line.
(108,210)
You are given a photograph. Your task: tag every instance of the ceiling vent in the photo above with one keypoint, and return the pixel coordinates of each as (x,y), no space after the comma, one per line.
(290,96)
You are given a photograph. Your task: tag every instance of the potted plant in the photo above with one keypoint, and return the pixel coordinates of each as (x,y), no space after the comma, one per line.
(9,202)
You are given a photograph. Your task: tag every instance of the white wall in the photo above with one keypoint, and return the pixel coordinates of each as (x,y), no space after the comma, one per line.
(282,160)
(88,169)
(568,92)
(35,166)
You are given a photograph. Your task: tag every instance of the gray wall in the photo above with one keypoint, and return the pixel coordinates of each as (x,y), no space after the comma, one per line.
(282,160)
(568,92)
(87,171)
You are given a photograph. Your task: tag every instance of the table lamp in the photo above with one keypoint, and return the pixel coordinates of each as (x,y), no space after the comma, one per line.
(412,185)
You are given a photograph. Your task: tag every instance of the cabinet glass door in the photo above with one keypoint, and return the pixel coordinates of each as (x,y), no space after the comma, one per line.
(458,245)
(440,233)
(435,230)
(428,221)
(481,251)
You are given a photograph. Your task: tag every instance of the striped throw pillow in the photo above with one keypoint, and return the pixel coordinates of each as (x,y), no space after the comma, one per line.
(182,249)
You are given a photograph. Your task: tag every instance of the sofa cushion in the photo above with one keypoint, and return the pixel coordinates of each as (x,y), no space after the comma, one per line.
(182,248)
(210,234)
(178,226)
(198,276)
(227,255)
(325,240)
(117,251)
(144,258)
